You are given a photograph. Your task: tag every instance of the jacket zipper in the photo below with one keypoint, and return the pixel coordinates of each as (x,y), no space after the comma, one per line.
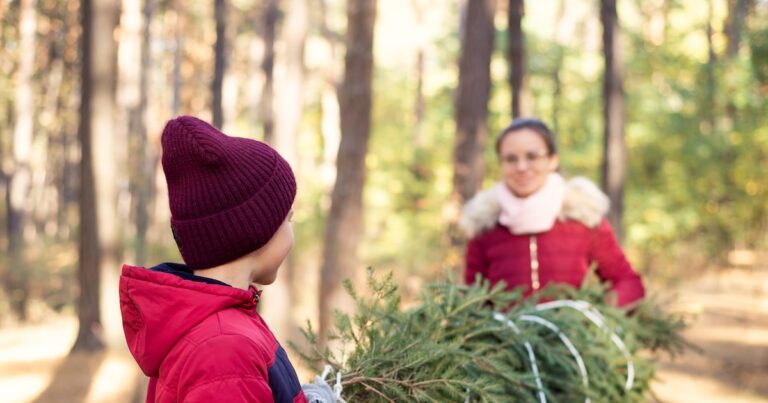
(533,247)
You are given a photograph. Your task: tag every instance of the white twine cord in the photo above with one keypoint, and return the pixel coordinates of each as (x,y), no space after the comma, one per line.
(531,356)
(597,318)
(326,370)
(568,344)
(337,388)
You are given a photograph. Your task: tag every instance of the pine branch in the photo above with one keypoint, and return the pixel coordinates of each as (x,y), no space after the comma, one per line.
(450,347)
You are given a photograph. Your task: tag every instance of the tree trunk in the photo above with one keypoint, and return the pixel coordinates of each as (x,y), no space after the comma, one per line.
(70,148)
(516,53)
(614,151)
(472,98)
(178,55)
(329,105)
(290,97)
(271,14)
(419,107)
(345,221)
(56,131)
(711,106)
(220,62)
(290,109)
(20,179)
(97,196)
(141,179)
(563,30)
(734,25)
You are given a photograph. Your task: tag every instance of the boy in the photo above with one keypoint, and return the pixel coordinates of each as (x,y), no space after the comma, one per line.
(193,329)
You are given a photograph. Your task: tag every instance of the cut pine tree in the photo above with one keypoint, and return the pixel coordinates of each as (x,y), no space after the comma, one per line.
(458,344)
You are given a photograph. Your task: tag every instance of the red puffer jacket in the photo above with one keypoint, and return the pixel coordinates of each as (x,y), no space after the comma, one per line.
(561,255)
(202,341)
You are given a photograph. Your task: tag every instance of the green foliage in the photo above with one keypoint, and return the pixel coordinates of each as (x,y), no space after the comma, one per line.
(450,347)
(695,148)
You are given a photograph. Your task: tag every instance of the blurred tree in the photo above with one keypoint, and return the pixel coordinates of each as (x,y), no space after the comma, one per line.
(288,122)
(516,53)
(734,24)
(20,178)
(345,220)
(179,43)
(137,35)
(562,34)
(711,81)
(614,151)
(419,103)
(269,27)
(290,97)
(97,194)
(419,166)
(330,125)
(56,125)
(221,57)
(472,94)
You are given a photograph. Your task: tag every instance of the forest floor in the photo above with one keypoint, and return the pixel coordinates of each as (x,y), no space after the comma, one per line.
(728,322)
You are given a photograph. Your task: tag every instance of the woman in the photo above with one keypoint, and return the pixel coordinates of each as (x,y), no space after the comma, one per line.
(534,228)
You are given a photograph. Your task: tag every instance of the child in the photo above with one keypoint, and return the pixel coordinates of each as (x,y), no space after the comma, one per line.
(193,329)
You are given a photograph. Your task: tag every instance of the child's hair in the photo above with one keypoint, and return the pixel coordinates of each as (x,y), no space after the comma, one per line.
(529,123)
(227,195)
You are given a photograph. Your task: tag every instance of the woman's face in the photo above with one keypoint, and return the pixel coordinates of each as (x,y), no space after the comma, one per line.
(525,162)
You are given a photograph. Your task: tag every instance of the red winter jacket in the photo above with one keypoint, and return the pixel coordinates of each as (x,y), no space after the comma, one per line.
(561,255)
(202,341)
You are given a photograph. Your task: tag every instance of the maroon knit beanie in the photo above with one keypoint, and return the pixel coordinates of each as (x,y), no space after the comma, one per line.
(228,195)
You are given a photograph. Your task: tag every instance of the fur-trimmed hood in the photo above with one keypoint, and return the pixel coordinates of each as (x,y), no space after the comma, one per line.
(583,202)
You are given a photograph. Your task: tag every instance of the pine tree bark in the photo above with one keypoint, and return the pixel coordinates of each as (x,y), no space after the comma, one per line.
(269,19)
(56,130)
(345,221)
(179,40)
(220,62)
(516,53)
(97,249)
(140,161)
(614,150)
(289,112)
(20,178)
(472,98)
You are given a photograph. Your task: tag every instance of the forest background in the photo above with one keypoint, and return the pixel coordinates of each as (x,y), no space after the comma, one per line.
(387,111)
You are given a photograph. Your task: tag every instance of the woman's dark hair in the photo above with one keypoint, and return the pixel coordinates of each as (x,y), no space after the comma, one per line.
(529,123)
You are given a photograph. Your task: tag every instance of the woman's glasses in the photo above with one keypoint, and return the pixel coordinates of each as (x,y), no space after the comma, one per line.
(531,158)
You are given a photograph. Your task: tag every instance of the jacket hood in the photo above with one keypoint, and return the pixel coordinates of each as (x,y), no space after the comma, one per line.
(159,308)
(583,202)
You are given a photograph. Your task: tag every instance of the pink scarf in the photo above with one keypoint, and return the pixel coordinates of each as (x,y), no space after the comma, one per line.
(533,214)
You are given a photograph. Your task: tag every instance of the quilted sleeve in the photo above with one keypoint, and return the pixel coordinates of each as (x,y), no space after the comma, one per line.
(476,262)
(613,267)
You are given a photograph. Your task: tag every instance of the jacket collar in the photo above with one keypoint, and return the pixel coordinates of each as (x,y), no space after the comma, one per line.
(583,202)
